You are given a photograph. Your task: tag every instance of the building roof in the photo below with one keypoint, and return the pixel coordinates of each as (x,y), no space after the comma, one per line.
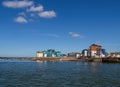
(39,52)
(96,45)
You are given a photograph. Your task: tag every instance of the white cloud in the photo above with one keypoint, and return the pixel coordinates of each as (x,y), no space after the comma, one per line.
(35,9)
(32,10)
(17,4)
(76,35)
(47,14)
(21,19)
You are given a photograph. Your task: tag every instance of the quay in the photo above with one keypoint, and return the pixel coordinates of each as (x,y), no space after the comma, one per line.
(56,59)
(82,59)
(104,60)
(111,60)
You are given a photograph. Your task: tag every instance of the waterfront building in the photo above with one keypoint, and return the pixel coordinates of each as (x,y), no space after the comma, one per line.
(53,53)
(95,50)
(44,53)
(74,54)
(49,53)
(39,54)
(103,53)
(85,53)
(58,54)
(114,54)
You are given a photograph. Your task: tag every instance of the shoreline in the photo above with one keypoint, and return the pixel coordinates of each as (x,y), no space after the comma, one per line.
(82,59)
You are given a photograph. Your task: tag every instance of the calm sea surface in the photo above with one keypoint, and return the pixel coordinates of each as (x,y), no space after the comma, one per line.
(58,74)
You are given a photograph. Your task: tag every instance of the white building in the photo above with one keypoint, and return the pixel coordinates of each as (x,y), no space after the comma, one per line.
(85,53)
(74,54)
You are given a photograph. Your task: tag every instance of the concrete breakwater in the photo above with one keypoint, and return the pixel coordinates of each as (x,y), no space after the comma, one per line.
(56,59)
(41,59)
(106,59)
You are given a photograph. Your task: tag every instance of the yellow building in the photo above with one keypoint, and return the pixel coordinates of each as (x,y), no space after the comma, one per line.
(39,54)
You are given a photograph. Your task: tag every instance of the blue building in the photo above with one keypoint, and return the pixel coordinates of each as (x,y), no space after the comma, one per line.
(52,53)
(59,54)
(104,52)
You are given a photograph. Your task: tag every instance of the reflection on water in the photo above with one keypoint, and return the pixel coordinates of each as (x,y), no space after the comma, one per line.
(58,74)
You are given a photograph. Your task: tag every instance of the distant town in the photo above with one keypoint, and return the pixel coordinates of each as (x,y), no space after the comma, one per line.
(93,51)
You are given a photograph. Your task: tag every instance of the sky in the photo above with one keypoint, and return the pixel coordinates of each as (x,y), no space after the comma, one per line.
(27,26)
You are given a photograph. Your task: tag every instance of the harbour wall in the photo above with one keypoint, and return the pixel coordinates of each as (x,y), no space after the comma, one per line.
(105,59)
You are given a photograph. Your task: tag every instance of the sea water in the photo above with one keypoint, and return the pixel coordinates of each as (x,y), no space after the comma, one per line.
(59,74)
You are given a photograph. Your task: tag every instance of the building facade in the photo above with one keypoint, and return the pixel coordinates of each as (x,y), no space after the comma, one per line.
(85,53)
(49,53)
(74,54)
(114,54)
(39,54)
(95,50)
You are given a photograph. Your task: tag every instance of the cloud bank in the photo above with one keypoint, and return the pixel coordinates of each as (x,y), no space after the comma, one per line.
(30,10)
(17,4)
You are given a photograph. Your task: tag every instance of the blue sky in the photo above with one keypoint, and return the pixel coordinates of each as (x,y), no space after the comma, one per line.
(66,25)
